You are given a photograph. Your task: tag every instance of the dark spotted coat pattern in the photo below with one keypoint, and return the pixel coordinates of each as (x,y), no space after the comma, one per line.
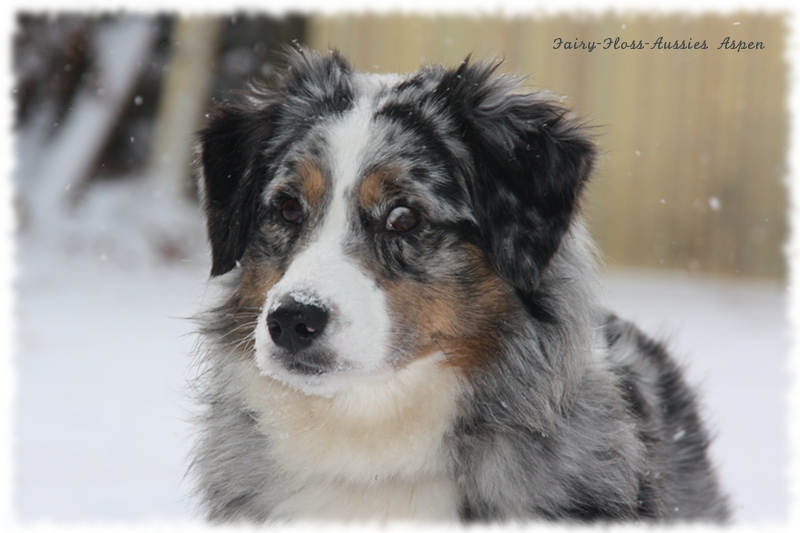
(576,415)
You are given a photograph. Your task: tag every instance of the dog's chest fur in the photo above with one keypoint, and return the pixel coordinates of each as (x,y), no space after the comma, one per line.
(378,451)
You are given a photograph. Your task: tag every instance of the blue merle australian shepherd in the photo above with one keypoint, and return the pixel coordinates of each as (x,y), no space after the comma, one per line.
(406,323)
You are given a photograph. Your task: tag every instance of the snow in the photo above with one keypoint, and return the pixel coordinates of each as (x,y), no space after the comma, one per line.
(103,349)
(102,414)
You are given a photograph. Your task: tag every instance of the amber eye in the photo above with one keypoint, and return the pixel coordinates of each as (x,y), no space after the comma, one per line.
(292,211)
(402,219)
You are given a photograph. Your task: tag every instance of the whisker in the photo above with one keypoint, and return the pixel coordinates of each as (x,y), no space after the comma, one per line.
(250,324)
(447,356)
(244,340)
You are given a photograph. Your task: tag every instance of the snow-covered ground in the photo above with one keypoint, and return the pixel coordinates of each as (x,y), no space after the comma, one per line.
(103,351)
(103,344)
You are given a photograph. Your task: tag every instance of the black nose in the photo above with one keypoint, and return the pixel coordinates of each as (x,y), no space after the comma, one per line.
(294,326)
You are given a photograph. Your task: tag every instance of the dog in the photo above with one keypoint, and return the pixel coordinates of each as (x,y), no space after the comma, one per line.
(406,323)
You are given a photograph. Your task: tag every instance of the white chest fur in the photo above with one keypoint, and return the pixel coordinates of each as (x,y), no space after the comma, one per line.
(375,452)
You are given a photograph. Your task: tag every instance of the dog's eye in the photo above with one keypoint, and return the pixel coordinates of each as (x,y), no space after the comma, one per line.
(292,211)
(402,219)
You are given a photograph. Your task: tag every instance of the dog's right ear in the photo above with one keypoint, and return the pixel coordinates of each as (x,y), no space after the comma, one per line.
(231,179)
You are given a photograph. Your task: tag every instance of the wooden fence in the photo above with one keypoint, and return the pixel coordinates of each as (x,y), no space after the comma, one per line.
(694,140)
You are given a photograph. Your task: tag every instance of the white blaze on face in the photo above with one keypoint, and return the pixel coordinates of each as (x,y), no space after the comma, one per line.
(322,274)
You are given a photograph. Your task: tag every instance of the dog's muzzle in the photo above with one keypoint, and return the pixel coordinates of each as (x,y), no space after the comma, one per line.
(295,327)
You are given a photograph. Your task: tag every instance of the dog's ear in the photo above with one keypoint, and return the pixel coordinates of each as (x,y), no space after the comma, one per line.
(235,145)
(229,180)
(530,164)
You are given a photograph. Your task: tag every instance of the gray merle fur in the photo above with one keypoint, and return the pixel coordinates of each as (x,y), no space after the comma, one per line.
(548,429)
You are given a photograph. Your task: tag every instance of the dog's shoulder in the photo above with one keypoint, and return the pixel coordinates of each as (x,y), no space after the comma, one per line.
(680,481)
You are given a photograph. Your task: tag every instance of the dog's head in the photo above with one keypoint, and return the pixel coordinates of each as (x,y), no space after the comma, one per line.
(375,220)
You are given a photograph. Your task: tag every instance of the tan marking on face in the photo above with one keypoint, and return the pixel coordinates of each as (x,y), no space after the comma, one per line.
(312,182)
(374,186)
(462,320)
(248,299)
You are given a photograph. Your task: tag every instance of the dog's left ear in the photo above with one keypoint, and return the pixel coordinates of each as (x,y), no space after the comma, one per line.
(531,162)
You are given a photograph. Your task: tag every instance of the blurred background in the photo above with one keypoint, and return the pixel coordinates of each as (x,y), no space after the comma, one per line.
(688,205)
